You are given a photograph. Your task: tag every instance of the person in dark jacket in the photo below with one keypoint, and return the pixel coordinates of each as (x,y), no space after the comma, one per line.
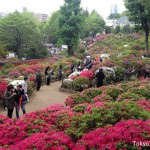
(18,101)
(72,67)
(48,73)
(38,80)
(60,73)
(100,77)
(10,101)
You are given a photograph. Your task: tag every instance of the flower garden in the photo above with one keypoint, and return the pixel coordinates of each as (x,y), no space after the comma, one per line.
(112,117)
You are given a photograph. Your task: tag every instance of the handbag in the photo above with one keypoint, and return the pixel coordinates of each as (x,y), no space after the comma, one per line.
(24,98)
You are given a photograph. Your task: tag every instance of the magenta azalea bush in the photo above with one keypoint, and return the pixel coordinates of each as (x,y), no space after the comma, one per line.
(89,74)
(118,137)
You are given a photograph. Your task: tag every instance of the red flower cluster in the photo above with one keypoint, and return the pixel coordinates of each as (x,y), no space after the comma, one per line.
(3,86)
(112,138)
(89,74)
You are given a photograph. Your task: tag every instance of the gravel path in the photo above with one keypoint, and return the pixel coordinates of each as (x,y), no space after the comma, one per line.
(47,96)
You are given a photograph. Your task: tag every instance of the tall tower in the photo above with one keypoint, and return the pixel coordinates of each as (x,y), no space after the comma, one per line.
(114,9)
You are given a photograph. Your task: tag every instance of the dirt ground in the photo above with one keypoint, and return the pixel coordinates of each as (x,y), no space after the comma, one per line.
(47,96)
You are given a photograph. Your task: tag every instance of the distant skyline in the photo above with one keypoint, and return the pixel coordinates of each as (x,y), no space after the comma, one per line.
(49,6)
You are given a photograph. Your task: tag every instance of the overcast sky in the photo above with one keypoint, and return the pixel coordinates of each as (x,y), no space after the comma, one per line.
(48,6)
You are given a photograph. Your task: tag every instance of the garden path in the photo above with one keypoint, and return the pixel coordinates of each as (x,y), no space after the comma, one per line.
(47,96)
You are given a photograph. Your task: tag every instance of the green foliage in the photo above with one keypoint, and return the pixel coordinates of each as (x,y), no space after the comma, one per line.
(142,92)
(93,24)
(20,33)
(92,93)
(114,92)
(107,29)
(52,27)
(110,114)
(81,83)
(139,14)
(70,24)
(119,74)
(2,50)
(8,65)
(130,96)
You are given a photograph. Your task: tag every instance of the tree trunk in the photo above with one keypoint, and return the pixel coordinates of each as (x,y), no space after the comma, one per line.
(70,50)
(146,42)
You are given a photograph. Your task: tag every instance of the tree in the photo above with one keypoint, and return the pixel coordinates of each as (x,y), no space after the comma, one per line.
(117,29)
(52,27)
(107,29)
(2,50)
(19,32)
(139,11)
(94,24)
(70,24)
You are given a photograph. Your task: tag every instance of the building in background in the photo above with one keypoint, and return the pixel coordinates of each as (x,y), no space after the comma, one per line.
(24,9)
(41,17)
(114,9)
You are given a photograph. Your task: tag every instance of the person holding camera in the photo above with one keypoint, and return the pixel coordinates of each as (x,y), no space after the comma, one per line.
(10,101)
(19,100)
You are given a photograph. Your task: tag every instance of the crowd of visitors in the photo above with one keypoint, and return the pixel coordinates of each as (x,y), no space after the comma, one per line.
(16,97)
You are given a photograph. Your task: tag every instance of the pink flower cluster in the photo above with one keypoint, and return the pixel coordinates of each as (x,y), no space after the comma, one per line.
(15,73)
(97,105)
(29,71)
(3,86)
(121,134)
(53,141)
(89,74)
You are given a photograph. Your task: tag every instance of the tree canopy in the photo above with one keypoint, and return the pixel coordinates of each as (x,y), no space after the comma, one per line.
(139,11)
(20,32)
(94,24)
(70,24)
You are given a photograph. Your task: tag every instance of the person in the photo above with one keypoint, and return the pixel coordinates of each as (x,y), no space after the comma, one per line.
(78,66)
(146,72)
(18,100)
(60,72)
(38,80)
(25,87)
(72,67)
(101,60)
(48,73)
(10,101)
(100,77)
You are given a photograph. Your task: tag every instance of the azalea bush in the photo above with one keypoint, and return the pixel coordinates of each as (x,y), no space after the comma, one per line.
(120,136)
(89,74)
(105,115)
(130,96)
(81,83)
(3,86)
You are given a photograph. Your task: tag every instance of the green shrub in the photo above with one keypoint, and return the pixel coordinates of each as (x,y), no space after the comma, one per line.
(143,92)
(91,93)
(8,65)
(119,72)
(114,93)
(80,108)
(130,96)
(104,116)
(81,83)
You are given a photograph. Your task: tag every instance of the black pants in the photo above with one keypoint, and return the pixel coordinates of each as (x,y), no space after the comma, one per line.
(146,74)
(38,86)
(48,80)
(10,112)
(60,77)
(99,83)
